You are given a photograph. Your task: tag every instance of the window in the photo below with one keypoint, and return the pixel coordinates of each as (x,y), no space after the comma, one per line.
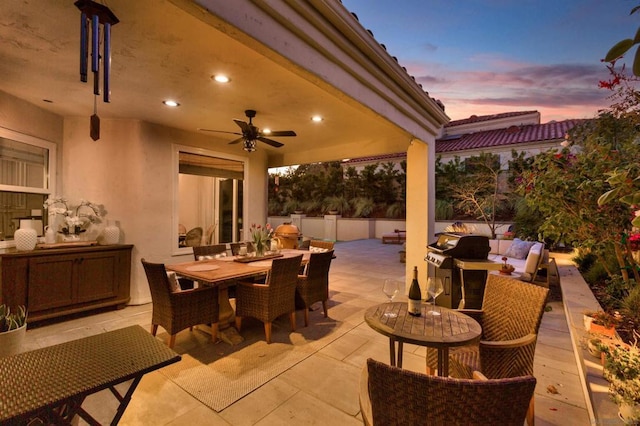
(27,171)
(209,198)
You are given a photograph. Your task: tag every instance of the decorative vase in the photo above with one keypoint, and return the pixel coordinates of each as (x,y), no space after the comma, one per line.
(261,247)
(26,239)
(111,234)
(11,341)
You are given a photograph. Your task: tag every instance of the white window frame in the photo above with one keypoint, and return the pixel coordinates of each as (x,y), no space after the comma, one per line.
(176,149)
(50,183)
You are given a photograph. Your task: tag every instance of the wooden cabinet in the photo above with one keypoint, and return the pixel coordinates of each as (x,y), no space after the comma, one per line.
(56,282)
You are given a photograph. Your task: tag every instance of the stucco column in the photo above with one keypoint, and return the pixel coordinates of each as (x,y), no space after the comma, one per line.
(420,208)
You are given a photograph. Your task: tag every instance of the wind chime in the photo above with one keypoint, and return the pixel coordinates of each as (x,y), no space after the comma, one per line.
(93,15)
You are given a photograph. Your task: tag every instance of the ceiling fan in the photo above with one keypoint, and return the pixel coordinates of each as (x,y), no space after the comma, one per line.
(250,133)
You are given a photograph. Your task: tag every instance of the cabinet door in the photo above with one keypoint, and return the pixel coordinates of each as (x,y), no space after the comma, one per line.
(97,276)
(51,282)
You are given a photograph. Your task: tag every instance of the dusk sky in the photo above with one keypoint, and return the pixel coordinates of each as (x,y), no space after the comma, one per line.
(491,56)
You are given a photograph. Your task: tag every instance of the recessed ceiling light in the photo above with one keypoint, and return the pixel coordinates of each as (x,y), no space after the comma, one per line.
(221,78)
(316,118)
(171,103)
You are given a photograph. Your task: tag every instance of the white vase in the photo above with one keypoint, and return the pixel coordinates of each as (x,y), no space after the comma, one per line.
(26,239)
(111,234)
(11,341)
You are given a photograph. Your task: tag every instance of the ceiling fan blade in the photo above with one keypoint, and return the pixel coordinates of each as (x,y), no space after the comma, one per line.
(273,143)
(282,133)
(235,141)
(243,125)
(220,131)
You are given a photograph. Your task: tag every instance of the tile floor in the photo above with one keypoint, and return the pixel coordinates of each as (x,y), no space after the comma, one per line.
(301,395)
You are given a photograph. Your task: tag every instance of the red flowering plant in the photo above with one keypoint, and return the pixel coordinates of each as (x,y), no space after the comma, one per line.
(634,241)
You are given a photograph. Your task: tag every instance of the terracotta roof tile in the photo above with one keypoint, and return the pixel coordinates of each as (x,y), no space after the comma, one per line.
(481,118)
(510,136)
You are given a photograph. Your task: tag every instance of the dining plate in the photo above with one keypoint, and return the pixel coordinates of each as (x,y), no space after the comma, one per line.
(202,268)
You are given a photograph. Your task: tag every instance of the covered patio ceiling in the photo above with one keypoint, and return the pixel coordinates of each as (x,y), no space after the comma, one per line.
(171,49)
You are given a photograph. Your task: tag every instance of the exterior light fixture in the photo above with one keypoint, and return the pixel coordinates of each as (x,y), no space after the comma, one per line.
(221,78)
(171,103)
(316,119)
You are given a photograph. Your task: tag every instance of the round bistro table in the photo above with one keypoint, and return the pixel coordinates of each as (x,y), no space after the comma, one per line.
(450,328)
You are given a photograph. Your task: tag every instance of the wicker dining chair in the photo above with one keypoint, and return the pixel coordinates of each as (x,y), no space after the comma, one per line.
(392,396)
(193,237)
(510,318)
(314,286)
(175,311)
(274,298)
(210,250)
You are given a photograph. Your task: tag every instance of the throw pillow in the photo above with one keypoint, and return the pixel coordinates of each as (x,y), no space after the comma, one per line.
(519,249)
(173,280)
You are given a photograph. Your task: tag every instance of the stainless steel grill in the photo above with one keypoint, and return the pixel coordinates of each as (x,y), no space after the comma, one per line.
(441,257)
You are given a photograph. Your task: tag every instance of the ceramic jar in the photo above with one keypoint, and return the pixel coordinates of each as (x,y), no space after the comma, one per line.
(111,233)
(25,239)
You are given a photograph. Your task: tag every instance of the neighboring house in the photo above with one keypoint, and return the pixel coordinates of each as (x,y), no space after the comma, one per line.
(496,133)
(500,134)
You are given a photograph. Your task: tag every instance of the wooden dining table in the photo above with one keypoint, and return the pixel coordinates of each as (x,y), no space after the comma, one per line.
(223,272)
(447,329)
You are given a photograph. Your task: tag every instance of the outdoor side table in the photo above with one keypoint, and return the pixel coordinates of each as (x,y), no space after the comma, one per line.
(450,328)
(51,383)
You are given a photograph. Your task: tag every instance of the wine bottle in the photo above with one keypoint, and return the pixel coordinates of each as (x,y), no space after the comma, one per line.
(414,295)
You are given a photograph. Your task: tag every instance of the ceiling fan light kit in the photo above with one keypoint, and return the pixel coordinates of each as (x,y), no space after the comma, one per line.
(251,134)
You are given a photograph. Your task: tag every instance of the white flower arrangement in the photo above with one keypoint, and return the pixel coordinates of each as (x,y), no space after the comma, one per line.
(76,220)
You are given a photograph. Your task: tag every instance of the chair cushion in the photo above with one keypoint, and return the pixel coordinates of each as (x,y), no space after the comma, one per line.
(519,249)
(533,258)
(173,280)
(314,249)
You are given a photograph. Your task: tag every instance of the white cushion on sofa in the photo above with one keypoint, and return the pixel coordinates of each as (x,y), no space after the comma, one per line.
(533,258)
(503,246)
(494,246)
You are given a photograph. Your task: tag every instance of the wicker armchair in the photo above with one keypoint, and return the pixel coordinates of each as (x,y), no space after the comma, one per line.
(392,396)
(314,286)
(510,318)
(175,311)
(268,301)
(209,250)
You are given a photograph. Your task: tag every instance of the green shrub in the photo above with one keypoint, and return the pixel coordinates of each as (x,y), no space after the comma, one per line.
(362,207)
(630,306)
(444,210)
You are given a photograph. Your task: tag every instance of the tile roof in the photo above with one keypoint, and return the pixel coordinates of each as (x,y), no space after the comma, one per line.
(510,136)
(481,118)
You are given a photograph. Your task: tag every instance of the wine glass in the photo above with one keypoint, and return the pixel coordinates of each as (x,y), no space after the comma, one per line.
(434,289)
(390,288)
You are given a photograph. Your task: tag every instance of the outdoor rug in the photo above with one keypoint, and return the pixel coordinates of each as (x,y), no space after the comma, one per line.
(220,374)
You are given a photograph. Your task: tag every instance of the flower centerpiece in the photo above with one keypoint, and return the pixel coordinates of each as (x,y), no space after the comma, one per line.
(75,220)
(506,268)
(260,236)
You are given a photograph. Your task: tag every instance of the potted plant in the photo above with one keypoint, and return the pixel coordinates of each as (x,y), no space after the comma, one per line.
(506,268)
(13,326)
(622,367)
(601,322)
